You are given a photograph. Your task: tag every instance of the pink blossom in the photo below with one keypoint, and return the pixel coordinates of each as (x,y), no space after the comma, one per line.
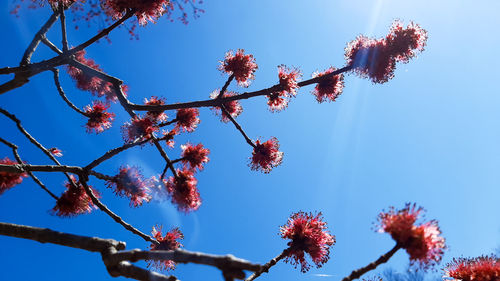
(376,58)
(139,128)
(308,234)
(288,80)
(166,243)
(130,182)
(93,84)
(328,89)
(423,242)
(266,155)
(187,119)
(183,191)
(150,10)
(232,107)
(75,200)
(240,65)
(484,268)
(195,156)
(9,180)
(56,151)
(99,119)
(156,116)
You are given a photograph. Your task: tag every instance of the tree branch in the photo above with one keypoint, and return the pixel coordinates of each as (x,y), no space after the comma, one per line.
(36,40)
(63,95)
(267,266)
(382,259)
(227,262)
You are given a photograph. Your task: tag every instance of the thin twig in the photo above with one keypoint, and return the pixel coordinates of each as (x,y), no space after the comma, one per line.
(63,28)
(184,256)
(267,266)
(382,259)
(36,40)
(115,217)
(20,161)
(63,95)
(51,45)
(34,141)
(237,125)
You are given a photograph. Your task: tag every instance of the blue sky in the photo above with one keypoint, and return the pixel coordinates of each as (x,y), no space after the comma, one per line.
(430,135)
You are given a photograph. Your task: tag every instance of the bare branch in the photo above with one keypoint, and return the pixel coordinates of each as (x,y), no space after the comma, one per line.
(63,27)
(382,259)
(63,95)
(36,40)
(50,45)
(114,216)
(20,161)
(227,262)
(45,235)
(267,266)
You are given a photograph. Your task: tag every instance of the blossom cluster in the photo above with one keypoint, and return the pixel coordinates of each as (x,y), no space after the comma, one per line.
(75,200)
(308,235)
(130,182)
(484,268)
(376,58)
(9,180)
(422,241)
(165,243)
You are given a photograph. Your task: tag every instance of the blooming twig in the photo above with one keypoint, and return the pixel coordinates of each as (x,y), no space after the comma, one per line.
(63,95)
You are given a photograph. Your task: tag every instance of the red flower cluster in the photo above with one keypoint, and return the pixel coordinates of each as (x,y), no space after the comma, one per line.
(288,80)
(266,155)
(308,234)
(474,269)
(169,137)
(187,119)
(129,182)
(233,107)
(99,119)
(150,10)
(376,58)
(166,243)
(156,116)
(93,84)
(240,65)
(9,180)
(329,88)
(56,152)
(183,191)
(74,201)
(421,241)
(195,156)
(138,129)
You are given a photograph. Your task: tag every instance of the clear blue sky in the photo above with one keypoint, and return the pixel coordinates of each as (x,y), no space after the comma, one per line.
(430,135)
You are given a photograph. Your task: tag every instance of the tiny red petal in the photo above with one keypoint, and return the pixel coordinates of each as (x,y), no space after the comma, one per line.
(56,152)
(145,11)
